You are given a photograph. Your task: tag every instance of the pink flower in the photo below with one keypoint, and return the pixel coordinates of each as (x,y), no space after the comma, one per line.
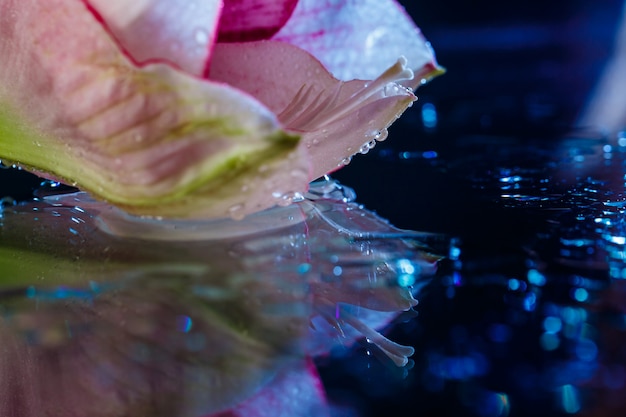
(201,108)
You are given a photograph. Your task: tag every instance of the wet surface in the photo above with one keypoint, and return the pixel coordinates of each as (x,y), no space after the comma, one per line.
(526,318)
(105,314)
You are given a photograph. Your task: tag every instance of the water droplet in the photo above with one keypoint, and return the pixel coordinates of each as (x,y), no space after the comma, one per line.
(345,161)
(391,89)
(366,147)
(286,199)
(201,37)
(236,211)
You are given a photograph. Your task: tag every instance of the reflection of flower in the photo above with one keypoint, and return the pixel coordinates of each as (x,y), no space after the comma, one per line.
(100,324)
(205,108)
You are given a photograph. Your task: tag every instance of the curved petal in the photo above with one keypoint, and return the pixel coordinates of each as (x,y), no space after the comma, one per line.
(373,33)
(336,119)
(296,392)
(154,140)
(178,31)
(250,20)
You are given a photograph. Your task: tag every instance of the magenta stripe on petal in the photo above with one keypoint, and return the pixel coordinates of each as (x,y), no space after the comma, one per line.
(180,32)
(295,392)
(249,20)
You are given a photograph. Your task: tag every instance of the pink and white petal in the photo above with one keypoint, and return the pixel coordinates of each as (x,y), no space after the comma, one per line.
(359,39)
(296,392)
(251,20)
(180,32)
(153,140)
(333,146)
(336,119)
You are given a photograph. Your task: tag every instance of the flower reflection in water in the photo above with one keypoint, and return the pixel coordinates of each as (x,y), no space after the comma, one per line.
(108,315)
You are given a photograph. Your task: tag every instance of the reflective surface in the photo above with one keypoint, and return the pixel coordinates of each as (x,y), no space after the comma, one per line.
(104,314)
(529,320)
(527,316)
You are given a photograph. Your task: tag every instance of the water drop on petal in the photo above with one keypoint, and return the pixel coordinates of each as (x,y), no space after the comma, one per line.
(236,211)
(345,161)
(201,37)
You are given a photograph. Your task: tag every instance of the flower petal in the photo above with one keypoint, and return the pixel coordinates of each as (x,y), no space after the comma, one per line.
(373,34)
(250,20)
(153,140)
(336,119)
(178,31)
(296,392)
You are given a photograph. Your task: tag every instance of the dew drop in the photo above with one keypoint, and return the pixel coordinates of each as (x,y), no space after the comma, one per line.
(391,89)
(381,135)
(345,161)
(201,37)
(236,211)
(287,199)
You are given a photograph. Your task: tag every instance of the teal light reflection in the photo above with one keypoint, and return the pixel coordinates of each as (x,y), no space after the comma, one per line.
(570,399)
(185,324)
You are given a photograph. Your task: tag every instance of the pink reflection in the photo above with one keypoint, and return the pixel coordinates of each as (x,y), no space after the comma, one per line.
(296,392)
